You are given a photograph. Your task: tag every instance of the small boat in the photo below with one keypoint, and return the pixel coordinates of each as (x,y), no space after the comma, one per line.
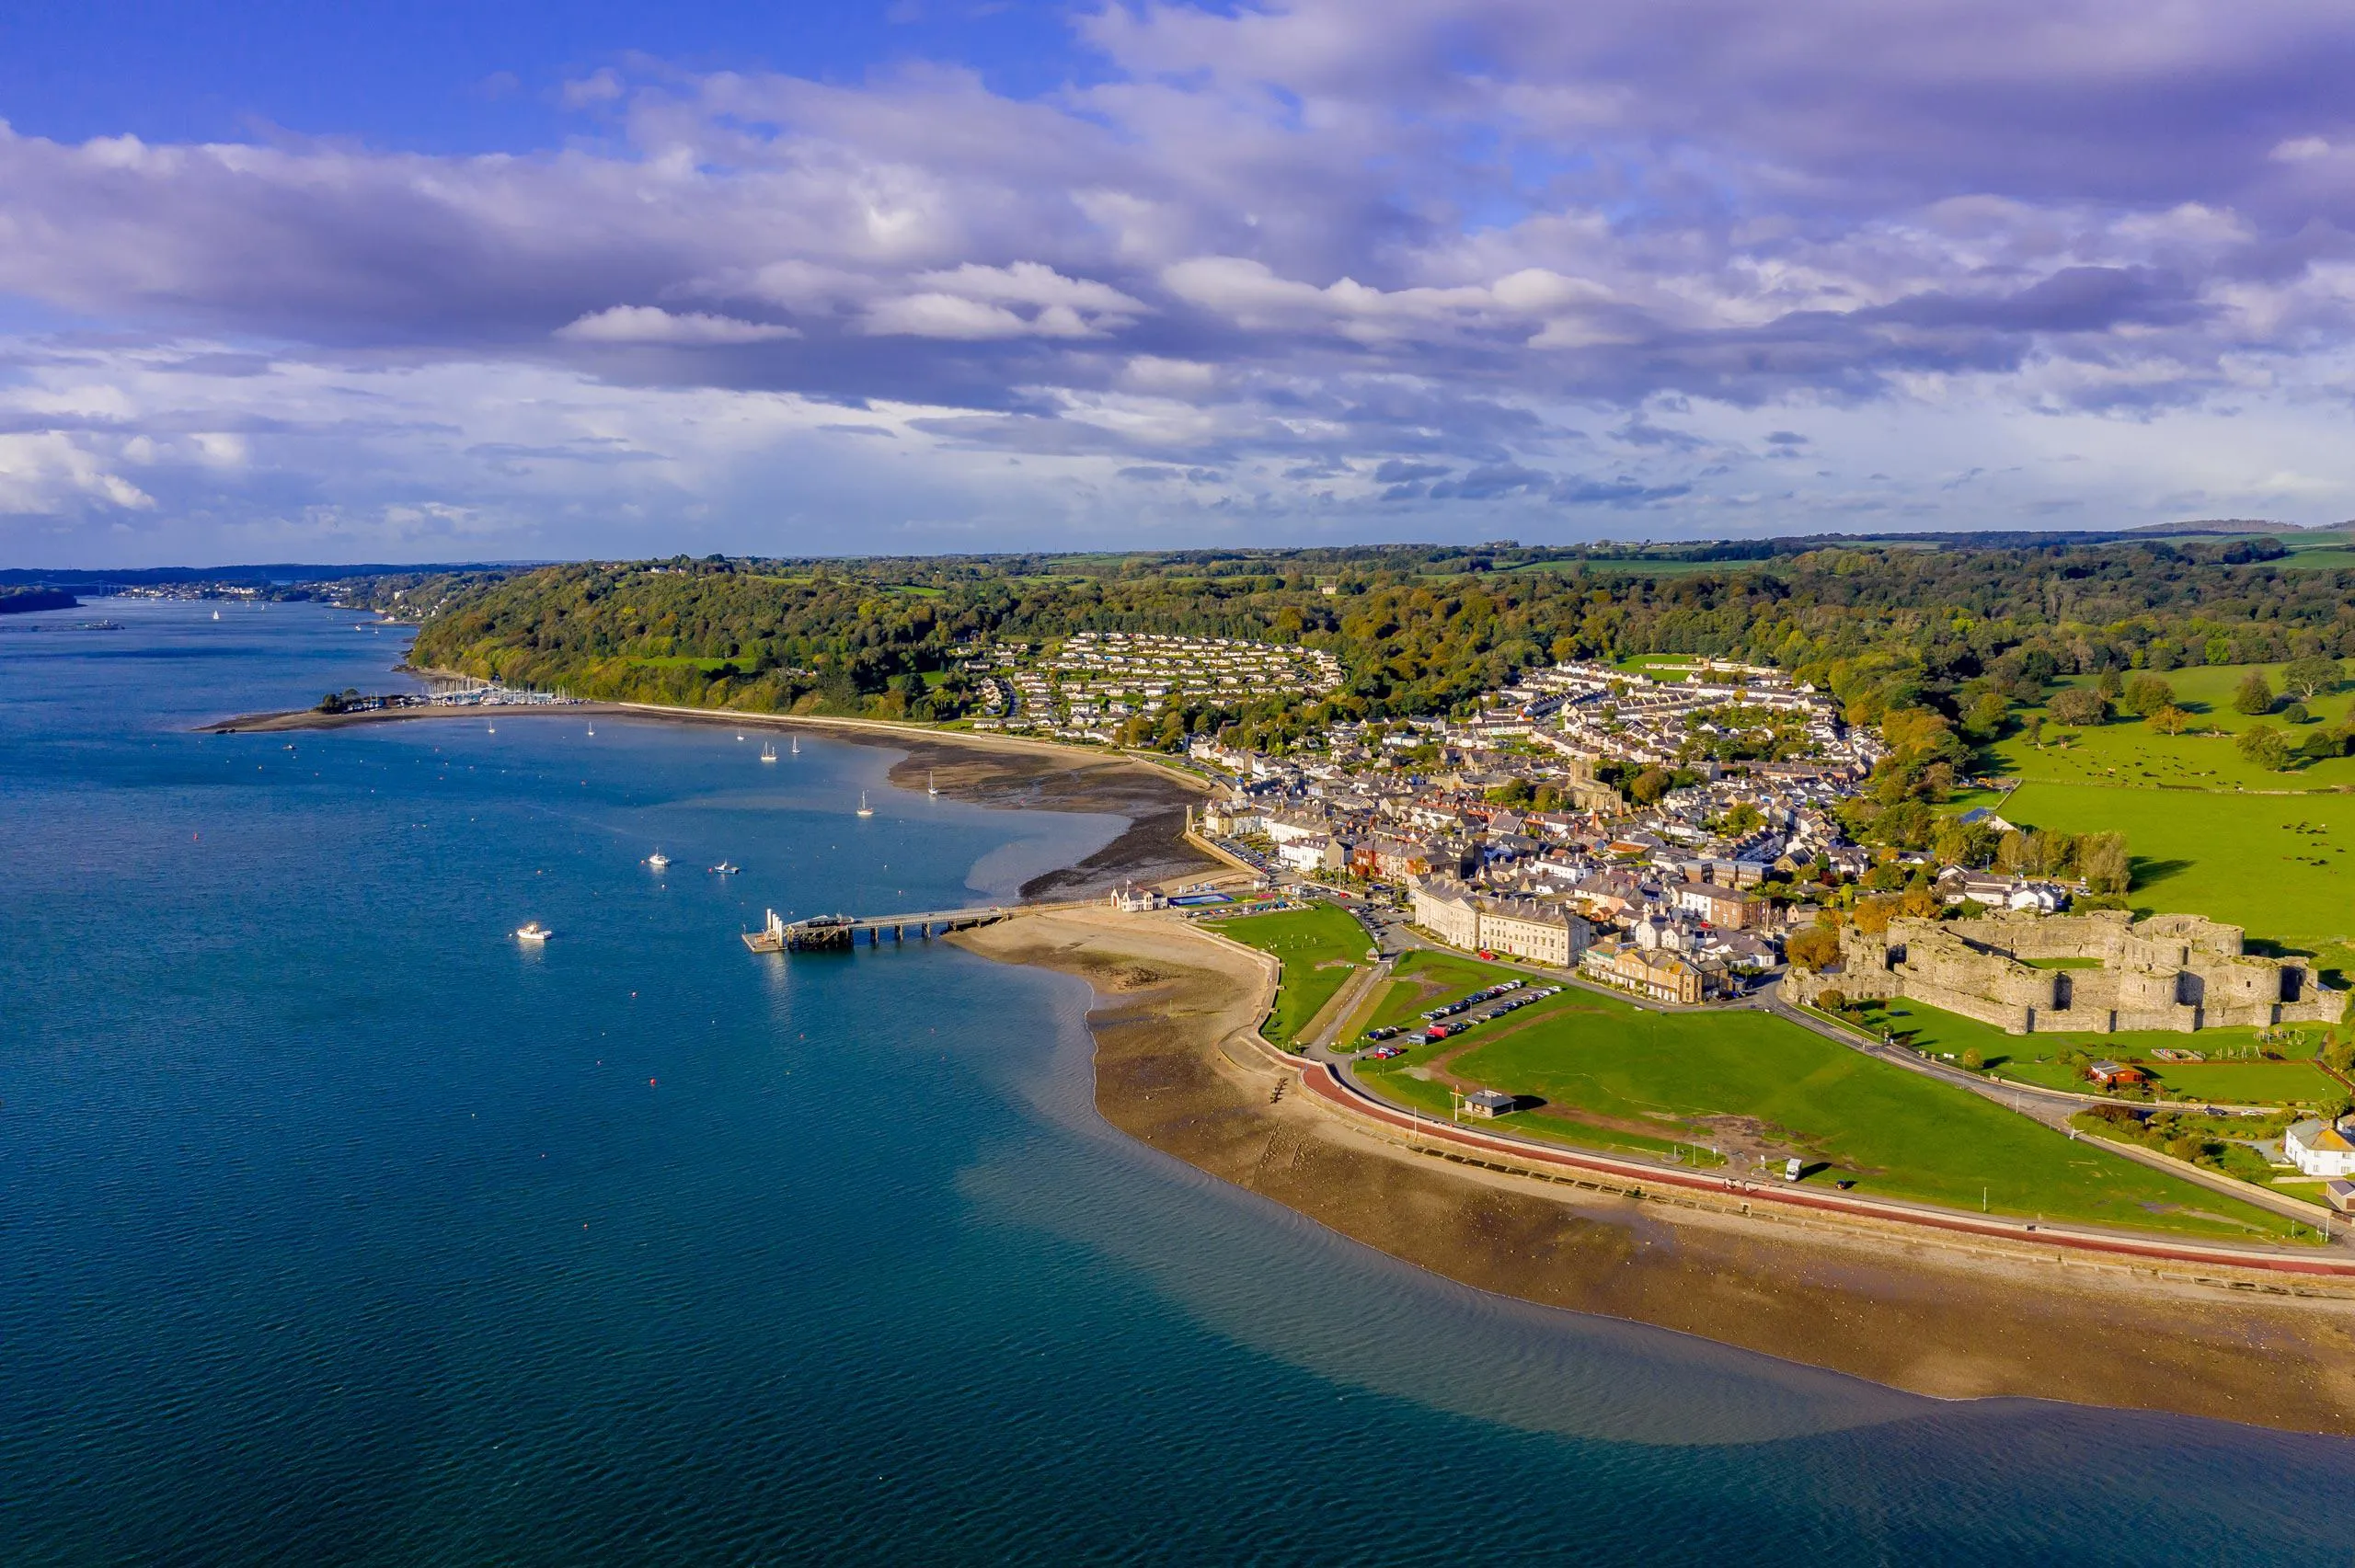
(930,787)
(725,869)
(534,932)
(592,730)
(769,753)
(796,746)
(216,615)
(491,728)
(865,810)
(658,860)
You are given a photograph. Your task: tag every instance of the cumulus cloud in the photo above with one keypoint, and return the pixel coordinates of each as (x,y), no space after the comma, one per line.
(1317,255)
(652,324)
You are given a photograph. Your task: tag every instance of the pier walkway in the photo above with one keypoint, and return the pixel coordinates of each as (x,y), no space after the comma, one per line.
(821,933)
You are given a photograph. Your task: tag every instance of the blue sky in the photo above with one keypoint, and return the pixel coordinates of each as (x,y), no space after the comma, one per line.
(432,76)
(429,281)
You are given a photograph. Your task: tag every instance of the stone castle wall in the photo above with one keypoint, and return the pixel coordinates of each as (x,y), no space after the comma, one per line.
(2169,972)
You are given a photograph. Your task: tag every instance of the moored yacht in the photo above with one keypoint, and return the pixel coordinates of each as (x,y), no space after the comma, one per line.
(768,751)
(533,932)
(865,810)
(658,860)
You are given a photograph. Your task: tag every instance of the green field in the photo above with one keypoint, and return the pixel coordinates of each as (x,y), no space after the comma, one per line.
(1319,948)
(2034,1059)
(2127,751)
(1895,1133)
(2210,833)
(2273,863)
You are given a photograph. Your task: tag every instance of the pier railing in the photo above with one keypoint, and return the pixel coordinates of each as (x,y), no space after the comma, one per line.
(820,933)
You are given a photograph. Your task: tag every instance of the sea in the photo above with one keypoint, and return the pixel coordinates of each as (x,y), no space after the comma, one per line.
(338,1226)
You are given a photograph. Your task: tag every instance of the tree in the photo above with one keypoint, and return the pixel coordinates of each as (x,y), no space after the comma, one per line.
(2145,695)
(2265,746)
(1984,718)
(2313,677)
(1972,1059)
(1647,787)
(2170,720)
(1813,948)
(2296,713)
(1872,915)
(2254,695)
(2323,745)
(2078,705)
(2102,861)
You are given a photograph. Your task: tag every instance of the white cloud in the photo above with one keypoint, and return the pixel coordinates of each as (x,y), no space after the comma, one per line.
(652,324)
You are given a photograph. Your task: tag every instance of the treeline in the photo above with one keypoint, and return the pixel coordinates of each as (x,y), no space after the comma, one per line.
(1962,635)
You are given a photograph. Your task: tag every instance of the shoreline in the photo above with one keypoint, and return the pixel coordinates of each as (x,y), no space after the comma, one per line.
(1003,772)
(1178,1066)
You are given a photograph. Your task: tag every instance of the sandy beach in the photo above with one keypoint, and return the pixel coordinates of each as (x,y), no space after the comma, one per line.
(1179,1068)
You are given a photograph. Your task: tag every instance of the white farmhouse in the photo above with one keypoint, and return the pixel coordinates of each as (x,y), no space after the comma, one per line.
(2319,1148)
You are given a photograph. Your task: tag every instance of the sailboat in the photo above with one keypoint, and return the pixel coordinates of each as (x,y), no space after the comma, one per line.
(930,787)
(216,615)
(768,751)
(865,810)
(796,746)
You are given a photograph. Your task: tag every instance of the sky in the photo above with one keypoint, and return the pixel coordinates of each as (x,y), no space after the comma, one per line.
(430,282)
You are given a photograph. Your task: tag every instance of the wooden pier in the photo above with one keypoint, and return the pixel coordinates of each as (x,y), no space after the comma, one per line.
(821,934)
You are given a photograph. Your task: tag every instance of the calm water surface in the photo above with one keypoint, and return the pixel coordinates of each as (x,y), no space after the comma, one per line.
(336,1226)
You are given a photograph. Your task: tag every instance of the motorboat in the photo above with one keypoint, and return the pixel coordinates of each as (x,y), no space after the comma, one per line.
(658,860)
(534,932)
(726,869)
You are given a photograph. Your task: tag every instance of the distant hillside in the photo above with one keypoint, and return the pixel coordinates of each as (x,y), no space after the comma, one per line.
(21,600)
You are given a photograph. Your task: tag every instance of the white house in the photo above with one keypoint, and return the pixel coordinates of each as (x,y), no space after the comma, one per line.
(2319,1149)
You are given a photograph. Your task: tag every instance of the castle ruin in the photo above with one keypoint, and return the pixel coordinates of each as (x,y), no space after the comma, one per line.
(2175,972)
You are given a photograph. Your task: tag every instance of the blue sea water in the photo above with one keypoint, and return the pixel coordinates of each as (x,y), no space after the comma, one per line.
(337,1227)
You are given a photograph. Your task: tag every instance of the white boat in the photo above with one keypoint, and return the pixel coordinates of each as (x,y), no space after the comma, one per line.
(534,932)
(865,810)
(658,860)
(930,787)
(796,746)
(216,615)
(768,751)
(725,869)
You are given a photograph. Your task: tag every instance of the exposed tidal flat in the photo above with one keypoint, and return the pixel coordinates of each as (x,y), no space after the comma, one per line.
(342,1228)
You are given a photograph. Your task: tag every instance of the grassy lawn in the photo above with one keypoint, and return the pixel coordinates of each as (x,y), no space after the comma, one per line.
(2033,1058)
(1392,1080)
(2210,833)
(1895,1133)
(1319,948)
(2275,865)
